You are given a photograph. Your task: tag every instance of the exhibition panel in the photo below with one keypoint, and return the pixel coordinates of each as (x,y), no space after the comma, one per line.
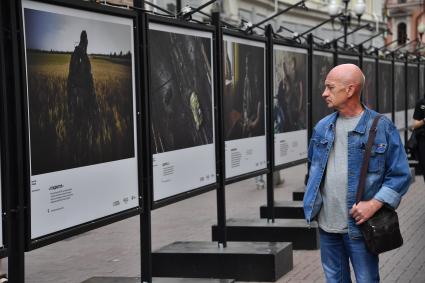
(181,94)
(244,98)
(289,103)
(369,89)
(3,149)
(348,59)
(385,95)
(412,91)
(81,115)
(323,62)
(399,96)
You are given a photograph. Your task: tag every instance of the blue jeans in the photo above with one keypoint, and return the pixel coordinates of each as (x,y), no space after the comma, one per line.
(336,250)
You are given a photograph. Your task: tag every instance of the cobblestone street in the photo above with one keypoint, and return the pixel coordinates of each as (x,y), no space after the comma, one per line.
(114,249)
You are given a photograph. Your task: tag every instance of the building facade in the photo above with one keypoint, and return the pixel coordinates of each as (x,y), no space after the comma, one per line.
(404,19)
(296,20)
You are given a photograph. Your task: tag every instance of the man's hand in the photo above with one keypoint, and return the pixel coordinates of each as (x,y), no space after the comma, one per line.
(365,210)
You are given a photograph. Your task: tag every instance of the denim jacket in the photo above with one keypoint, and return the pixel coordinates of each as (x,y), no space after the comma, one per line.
(388,176)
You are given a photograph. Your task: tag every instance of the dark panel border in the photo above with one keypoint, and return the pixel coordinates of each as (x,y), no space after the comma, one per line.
(3,143)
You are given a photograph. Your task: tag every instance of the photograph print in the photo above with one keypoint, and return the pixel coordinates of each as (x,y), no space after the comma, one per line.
(80,90)
(181,91)
(290,91)
(322,64)
(369,89)
(244,89)
(385,87)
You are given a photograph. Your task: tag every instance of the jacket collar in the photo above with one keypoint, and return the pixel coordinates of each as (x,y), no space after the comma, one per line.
(361,126)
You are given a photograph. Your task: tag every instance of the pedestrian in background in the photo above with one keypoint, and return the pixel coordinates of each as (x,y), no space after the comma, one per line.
(419,128)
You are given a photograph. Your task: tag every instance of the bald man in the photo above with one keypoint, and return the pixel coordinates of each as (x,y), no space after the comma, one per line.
(335,157)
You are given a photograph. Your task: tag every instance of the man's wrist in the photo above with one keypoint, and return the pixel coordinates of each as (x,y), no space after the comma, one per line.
(376,204)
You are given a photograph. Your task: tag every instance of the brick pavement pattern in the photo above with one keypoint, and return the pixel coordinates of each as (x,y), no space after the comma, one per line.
(114,250)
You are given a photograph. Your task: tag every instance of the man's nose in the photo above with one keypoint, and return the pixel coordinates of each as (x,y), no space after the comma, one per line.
(325,93)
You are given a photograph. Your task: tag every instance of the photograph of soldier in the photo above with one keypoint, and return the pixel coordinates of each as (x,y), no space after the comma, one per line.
(412,87)
(385,87)
(180,91)
(348,60)
(243,91)
(369,90)
(289,95)
(80,91)
(322,64)
(399,99)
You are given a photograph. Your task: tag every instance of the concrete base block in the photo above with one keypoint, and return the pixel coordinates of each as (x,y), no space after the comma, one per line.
(242,261)
(284,209)
(295,231)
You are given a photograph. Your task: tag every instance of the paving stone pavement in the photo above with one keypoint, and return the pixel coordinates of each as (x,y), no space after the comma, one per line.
(114,250)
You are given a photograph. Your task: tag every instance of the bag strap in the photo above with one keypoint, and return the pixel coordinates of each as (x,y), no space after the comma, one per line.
(366,157)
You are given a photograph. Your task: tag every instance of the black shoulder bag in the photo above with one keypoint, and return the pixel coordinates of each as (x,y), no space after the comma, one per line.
(381,232)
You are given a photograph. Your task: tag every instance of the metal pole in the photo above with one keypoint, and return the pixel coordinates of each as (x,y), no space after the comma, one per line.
(419,77)
(178,6)
(345,31)
(335,46)
(270,121)
(139,3)
(10,13)
(310,85)
(361,56)
(310,125)
(221,163)
(377,80)
(361,65)
(147,183)
(406,100)
(346,19)
(392,86)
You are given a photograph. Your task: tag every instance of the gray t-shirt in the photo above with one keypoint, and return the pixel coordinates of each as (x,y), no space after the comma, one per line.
(333,216)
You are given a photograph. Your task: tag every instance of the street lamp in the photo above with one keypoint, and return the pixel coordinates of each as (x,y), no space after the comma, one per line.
(345,18)
(359,9)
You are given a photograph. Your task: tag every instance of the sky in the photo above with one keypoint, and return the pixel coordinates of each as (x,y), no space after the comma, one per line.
(51,31)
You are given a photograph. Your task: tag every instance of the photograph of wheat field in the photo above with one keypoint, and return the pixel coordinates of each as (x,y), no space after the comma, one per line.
(80,90)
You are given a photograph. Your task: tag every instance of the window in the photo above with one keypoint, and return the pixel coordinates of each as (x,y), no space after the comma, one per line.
(401,33)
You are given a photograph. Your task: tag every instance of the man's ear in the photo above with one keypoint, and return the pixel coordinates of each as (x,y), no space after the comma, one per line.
(350,89)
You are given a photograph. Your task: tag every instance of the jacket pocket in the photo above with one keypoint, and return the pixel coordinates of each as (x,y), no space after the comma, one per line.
(377,158)
(319,154)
